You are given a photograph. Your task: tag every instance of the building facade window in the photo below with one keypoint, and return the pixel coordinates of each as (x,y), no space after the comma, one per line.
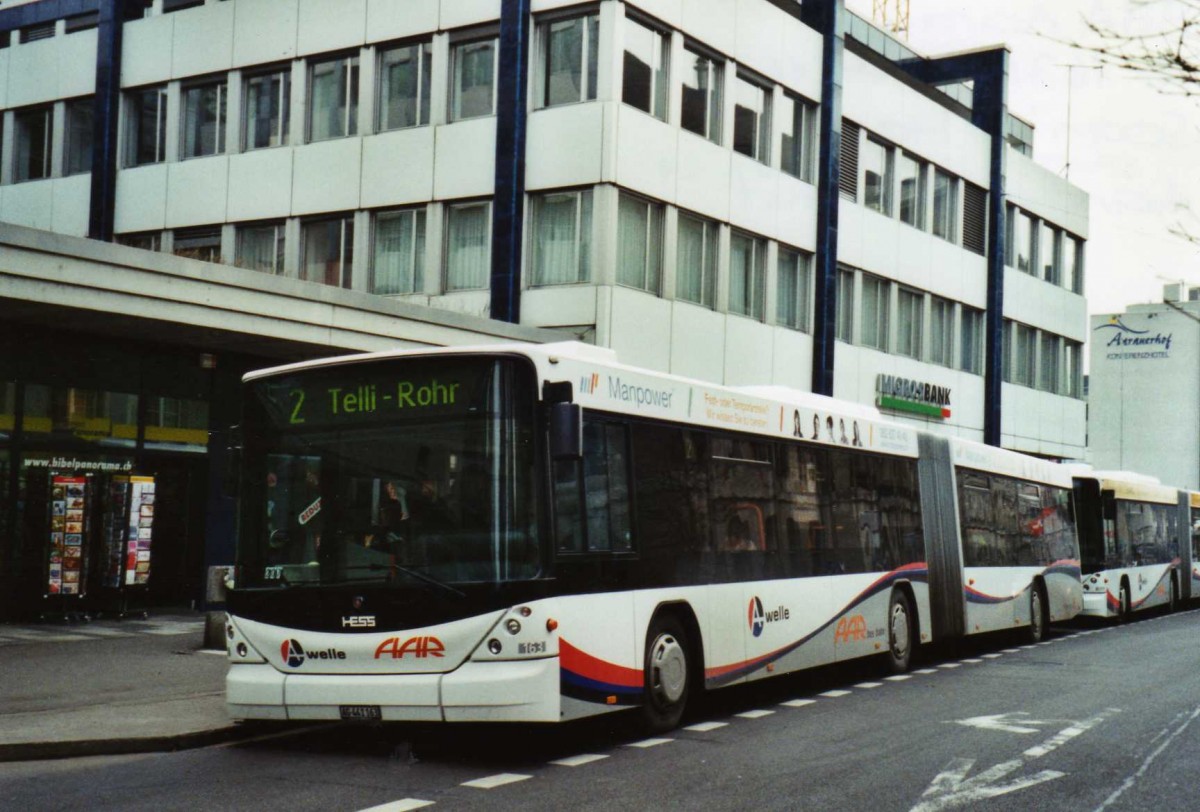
(912,173)
(1049,241)
(146,126)
(1048,364)
(78,157)
(1072,263)
(696,260)
(876,296)
(327,250)
(562,237)
(398,252)
(332,98)
(260,247)
(941,331)
(1072,368)
(752,119)
(468,245)
(970,346)
(570,60)
(34,133)
(1024,346)
(876,162)
(844,325)
(799,143)
(747,275)
(268,101)
(644,75)
(945,205)
(145,240)
(795,271)
(700,103)
(203,243)
(1020,240)
(473,68)
(204,119)
(910,317)
(639,243)
(405,82)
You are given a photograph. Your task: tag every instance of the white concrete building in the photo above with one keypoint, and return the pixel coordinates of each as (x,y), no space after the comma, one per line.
(744,191)
(1144,389)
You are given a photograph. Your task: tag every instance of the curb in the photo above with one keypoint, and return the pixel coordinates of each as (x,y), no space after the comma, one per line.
(39,751)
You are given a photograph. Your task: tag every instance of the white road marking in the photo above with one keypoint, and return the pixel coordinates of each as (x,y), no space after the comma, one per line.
(868,685)
(218,652)
(1026,648)
(951,787)
(798,703)
(1010,650)
(403,805)
(754,714)
(1008,722)
(950,665)
(497,780)
(704,727)
(925,671)
(579,760)
(992,656)
(649,743)
(972,660)
(1067,733)
(898,677)
(834,694)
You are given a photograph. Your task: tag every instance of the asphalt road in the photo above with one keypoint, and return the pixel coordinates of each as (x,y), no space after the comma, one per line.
(1096,718)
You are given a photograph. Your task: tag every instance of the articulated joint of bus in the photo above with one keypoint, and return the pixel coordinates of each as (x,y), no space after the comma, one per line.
(501,666)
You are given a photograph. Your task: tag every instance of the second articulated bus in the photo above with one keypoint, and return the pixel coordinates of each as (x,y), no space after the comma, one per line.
(538,533)
(1135,542)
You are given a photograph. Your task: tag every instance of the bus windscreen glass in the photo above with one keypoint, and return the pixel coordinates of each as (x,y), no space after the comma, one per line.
(390,472)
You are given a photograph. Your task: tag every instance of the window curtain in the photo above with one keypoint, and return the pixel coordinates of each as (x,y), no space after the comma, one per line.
(257,248)
(689,273)
(632,228)
(787,311)
(473,79)
(561,238)
(564,68)
(468,249)
(399,252)
(741,268)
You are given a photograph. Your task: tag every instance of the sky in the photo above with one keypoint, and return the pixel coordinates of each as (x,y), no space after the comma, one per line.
(1133,143)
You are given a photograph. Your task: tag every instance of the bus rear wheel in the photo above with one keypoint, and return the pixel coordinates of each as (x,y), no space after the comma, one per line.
(1037,614)
(1126,606)
(900,632)
(666,677)
(1173,606)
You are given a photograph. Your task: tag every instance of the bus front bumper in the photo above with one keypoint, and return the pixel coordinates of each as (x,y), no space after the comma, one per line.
(1096,604)
(519,691)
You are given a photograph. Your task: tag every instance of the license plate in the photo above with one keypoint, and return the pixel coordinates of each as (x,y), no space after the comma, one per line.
(361,713)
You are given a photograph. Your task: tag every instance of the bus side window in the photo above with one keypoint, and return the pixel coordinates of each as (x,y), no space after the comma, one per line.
(592,511)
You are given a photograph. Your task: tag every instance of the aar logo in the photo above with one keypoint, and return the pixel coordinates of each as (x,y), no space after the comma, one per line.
(759,619)
(420,647)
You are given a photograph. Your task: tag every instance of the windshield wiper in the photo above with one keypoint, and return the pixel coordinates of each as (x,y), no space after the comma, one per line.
(420,576)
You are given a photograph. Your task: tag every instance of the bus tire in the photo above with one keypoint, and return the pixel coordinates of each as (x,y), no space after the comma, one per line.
(1126,609)
(1173,606)
(666,674)
(1038,614)
(900,632)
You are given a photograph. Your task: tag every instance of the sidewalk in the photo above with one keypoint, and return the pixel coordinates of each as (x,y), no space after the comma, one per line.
(109,687)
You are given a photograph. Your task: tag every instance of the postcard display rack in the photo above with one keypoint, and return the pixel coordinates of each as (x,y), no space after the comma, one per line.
(71,496)
(128,530)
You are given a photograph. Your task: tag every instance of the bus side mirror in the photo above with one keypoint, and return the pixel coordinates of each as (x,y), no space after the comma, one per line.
(233,462)
(566,431)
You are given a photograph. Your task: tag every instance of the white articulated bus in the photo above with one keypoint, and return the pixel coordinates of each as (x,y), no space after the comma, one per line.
(538,533)
(1194,543)
(1134,540)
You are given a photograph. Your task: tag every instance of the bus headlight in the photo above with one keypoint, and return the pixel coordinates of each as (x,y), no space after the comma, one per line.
(494,646)
(513,626)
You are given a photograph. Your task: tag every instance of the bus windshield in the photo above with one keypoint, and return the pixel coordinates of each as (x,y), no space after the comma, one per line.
(414,471)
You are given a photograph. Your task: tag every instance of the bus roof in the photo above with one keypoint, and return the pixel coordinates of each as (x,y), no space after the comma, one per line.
(1131,485)
(970,454)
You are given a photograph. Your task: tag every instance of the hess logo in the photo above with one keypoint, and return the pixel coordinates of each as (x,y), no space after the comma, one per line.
(358,622)
(294,654)
(420,647)
(759,619)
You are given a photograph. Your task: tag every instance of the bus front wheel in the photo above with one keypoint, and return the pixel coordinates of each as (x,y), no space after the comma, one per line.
(1126,609)
(900,632)
(666,677)
(1037,614)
